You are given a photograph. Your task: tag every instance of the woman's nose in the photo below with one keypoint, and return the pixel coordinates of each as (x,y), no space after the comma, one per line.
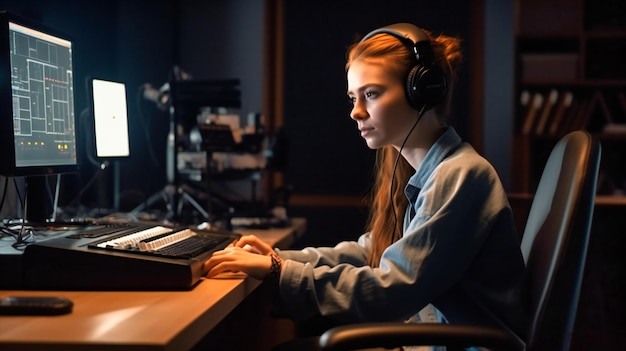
(358,111)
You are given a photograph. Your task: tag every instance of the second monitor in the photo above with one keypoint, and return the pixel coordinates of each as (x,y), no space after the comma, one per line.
(110,118)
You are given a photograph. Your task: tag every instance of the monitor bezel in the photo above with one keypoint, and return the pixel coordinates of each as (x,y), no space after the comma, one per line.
(8,165)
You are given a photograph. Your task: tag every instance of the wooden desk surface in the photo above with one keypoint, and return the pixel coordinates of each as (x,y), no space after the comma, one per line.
(136,320)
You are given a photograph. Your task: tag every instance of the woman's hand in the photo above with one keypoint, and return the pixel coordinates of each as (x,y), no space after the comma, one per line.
(255,245)
(238,259)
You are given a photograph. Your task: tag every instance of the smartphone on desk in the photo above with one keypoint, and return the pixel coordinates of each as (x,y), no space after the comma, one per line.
(35,305)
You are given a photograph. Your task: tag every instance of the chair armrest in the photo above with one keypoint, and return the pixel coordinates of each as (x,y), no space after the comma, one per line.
(390,335)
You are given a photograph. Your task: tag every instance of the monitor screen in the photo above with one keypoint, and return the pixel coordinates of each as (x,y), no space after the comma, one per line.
(110,118)
(37,121)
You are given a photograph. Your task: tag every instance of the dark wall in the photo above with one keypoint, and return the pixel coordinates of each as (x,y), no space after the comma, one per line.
(222,40)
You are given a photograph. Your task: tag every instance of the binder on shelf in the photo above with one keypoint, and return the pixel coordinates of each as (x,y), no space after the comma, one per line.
(572,116)
(525,99)
(546,112)
(531,113)
(557,112)
(586,111)
(563,106)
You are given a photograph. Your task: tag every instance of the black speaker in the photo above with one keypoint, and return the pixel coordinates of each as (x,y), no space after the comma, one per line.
(426,84)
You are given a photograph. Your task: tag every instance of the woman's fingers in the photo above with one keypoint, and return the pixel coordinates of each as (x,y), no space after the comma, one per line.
(219,268)
(237,259)
(246,240)
(221,256)
(254,244)
(227,251)
(252,249)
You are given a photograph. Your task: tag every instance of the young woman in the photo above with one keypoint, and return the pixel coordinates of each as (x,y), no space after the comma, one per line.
(441,244)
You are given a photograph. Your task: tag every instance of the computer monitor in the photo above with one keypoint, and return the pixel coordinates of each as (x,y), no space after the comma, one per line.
(37,121)
(108,127)
(110,118)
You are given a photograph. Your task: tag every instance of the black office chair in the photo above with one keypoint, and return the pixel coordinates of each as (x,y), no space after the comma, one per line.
(554,245)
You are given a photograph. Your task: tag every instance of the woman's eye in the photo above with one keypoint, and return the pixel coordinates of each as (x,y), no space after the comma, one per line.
(370,94)
(352,99)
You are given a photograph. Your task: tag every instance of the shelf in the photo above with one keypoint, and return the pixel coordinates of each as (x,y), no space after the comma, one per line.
(601,200)
(611,200)
(577,84)
(570,75)
(617,33)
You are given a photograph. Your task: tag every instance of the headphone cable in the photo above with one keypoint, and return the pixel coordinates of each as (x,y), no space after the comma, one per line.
(395,166)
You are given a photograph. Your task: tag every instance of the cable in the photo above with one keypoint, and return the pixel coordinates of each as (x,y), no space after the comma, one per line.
(395,166)
(55,203)
(19,196)
(76,199)
(88,132)
(23,236)
(4,192)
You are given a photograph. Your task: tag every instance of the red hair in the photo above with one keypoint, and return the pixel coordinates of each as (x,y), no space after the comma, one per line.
(398,59)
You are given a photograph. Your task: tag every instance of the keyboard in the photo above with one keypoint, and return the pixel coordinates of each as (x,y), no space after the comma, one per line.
(128,256)
(163,242)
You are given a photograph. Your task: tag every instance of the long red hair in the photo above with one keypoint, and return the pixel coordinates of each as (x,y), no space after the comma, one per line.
(385,225)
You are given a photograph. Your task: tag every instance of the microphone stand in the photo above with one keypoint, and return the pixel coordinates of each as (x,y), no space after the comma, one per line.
(173,194)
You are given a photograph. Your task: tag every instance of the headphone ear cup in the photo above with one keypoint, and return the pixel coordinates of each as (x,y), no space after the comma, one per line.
(412,89)
(426,87)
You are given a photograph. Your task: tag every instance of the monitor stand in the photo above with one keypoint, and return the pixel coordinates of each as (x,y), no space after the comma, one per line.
(37,208)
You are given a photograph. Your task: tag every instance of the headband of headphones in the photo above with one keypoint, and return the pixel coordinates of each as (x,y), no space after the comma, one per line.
(426,85)
(406,32)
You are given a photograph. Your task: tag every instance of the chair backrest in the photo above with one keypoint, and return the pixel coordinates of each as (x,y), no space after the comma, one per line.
(555,239)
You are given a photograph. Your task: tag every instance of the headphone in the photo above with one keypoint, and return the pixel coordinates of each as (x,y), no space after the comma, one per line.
(426,84)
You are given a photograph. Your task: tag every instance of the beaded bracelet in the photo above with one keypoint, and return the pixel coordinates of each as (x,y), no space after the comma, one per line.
(274,272)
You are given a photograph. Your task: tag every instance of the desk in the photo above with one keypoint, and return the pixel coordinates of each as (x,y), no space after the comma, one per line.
(137,320)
